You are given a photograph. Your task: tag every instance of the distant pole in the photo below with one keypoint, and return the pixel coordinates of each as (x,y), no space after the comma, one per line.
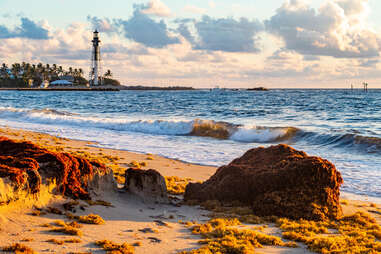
(352,87)
(365,86)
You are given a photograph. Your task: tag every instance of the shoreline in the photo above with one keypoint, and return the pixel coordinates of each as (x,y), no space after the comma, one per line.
(69,89)
(163,164)
(210,169)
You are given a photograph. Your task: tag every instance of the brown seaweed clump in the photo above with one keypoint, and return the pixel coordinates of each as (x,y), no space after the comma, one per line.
(18,248)
(221,235)
(26,166)
(112,247)
(277,180)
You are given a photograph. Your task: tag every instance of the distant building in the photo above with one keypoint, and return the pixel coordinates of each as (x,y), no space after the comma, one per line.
(62,82)
(68,78)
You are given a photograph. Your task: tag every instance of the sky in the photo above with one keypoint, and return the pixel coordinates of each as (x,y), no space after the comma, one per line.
(203,43)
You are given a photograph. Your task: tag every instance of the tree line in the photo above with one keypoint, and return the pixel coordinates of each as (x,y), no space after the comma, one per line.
(24,74)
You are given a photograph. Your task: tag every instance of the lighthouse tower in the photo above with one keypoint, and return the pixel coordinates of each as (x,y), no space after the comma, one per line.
(95,72)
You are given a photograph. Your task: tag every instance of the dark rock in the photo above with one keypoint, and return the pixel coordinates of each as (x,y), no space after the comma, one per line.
(147,184)
(25,166)
(279,181)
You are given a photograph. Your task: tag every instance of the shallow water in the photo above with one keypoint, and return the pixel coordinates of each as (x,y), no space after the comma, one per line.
(212,128)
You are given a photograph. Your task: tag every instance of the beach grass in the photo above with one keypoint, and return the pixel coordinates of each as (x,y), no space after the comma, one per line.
(18,248)
(112,247)
(221,235)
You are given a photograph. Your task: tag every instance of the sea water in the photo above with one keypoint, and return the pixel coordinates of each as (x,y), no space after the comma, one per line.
(214,127)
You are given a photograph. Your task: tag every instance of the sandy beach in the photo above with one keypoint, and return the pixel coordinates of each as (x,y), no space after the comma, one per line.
(129,219)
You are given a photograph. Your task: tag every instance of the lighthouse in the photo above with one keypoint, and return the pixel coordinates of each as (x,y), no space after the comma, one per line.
(95,72)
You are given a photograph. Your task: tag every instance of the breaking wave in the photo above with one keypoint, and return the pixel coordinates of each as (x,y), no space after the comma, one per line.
(197,127)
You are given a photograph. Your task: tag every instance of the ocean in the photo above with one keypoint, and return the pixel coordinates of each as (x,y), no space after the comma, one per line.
(214,127)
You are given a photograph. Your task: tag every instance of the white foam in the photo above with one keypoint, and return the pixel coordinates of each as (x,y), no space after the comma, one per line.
(45,116)
(253,134)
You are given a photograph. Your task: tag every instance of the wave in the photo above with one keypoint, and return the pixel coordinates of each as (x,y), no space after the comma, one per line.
(248,134)
(262,134)
(197,127)
(350,141)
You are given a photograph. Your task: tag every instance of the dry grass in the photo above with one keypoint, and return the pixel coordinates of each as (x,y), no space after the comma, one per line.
(18,248)
(91,219)
(235,210)
(358,233)
(115,248)
(73,240)
(221,236)
(87,219)
(134,164)
(176,185)
(61,242)
(68,230)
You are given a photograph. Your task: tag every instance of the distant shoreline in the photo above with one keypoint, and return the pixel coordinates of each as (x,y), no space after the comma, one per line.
(104,88)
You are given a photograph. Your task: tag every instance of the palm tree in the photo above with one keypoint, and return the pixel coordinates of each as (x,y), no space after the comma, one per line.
(60,70)
(16,68)
(108,74)
(4,71)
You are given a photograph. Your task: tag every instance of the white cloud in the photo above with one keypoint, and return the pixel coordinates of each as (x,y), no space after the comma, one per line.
(338,29)
(223,34)
(103,25)
(157,8)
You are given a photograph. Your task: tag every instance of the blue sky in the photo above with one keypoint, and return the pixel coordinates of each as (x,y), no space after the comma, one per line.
(62,12)
(282,43)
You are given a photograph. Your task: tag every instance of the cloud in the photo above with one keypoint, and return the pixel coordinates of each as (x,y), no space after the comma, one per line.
(337,29)
(157,8)
(369,63)
(103,25)
(28,29)
(224,34)
(184,31)
(141,28)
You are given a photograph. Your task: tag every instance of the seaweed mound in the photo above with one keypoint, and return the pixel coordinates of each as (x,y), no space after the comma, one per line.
(25,166)
(277,180)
